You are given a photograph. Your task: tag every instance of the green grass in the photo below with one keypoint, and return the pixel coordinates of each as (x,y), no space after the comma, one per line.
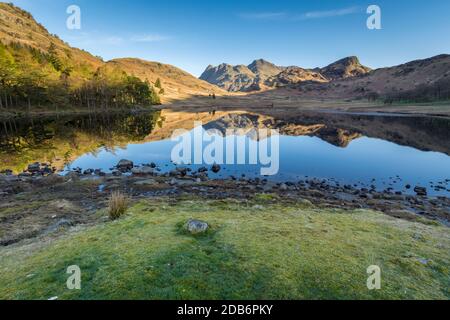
(268,251)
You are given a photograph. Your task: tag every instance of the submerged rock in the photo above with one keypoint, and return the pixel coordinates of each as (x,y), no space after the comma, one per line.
(196,226)
(202,169)
(216,168)
(420,191)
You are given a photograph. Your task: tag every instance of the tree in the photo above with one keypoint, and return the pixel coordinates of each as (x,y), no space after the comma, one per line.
(158,83)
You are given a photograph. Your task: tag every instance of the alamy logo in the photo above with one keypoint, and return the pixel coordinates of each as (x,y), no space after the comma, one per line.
(74,20)
(374,20)
(74,281)
(374,280)
(237,146)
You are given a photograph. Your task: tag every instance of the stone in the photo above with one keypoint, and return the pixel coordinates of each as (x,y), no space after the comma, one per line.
(146,170)
(125,164)
(216,168)
(420,191)
(35,167)
(148,182)
(195,227)
(72,176)
(61,224)
(283,187)
(116,173)
(182,171)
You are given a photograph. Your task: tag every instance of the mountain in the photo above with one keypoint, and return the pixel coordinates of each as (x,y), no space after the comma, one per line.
(261,74)
(264,69)
(230,78)
(241,78)
(415,81)
(293,75)
(344,68)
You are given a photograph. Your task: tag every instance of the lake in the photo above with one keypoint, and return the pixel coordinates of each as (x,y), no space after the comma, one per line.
(385,151)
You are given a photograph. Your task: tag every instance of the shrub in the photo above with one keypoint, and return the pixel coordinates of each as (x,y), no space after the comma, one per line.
(117,205)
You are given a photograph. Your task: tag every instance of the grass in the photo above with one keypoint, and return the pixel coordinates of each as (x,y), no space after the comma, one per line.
(260,249)
(117,205)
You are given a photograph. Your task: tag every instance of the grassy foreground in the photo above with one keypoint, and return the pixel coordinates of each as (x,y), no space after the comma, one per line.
(260,249)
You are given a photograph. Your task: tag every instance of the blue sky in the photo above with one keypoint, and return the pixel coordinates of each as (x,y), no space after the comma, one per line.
(308,33)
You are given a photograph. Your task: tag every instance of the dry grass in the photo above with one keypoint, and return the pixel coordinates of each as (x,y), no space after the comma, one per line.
(117,205)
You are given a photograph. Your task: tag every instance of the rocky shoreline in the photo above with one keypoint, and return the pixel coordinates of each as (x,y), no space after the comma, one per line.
(39,201)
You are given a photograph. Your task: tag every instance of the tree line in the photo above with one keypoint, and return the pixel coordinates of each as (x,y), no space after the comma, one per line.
(32,78)
(437,91)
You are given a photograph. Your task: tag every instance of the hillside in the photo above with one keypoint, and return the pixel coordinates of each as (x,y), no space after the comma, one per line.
(19,26)
(420,80)
(261,74)
(177,84)
(40,71)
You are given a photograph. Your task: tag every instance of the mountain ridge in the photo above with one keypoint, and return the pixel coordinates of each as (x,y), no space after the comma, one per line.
(262,74)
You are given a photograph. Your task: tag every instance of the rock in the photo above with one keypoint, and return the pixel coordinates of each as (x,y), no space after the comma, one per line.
(125,165)
(35,167)
(195,227)
(216,168)
(402,214)
(24,175)
(72,176)
(7,172)
(182,171)
(61,224)
(116,173)
(148,182)
(424,261)
(284,187)
(420,191)
(99,173)
(146,170)
(88,172)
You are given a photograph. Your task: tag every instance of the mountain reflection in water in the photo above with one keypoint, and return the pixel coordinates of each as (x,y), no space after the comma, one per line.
(385,151)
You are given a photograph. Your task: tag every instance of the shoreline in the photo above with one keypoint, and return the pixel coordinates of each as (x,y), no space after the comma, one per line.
(48,202)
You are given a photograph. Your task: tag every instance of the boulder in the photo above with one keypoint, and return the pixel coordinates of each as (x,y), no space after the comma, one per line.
(216,168)
(195,227)
(125,164)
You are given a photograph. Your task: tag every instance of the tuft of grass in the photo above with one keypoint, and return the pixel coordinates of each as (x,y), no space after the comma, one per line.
(117,205)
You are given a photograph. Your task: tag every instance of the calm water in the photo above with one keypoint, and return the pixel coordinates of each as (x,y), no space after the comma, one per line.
(355,150)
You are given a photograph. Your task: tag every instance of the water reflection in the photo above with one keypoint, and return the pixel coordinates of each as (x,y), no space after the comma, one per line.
(61,140)
(385,151)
